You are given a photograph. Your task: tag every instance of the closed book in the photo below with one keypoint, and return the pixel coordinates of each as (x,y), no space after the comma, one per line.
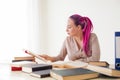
(35,67)
(16,68)
(41,73)
(117,50)
(99,63)
(21,63)
(20,60)
(24,58)
(73,74)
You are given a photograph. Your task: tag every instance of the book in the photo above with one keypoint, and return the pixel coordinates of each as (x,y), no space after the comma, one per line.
(35,67)
(59,64)
(103,70)
(20,60)
(30,58)
(64,64)
(99,63)
(36,55)
(73,74)
(17,65)
(75,64)
(117,50)
(41,73)
(16,68)
(21,63)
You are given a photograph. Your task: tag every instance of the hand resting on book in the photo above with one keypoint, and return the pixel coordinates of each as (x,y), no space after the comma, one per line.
(48,58)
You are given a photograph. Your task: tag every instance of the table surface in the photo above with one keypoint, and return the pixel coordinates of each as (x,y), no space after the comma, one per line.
(7,74)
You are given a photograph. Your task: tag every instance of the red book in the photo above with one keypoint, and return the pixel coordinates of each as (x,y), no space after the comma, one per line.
(16,68)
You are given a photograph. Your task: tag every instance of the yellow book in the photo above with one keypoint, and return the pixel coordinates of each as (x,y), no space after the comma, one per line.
(99,63)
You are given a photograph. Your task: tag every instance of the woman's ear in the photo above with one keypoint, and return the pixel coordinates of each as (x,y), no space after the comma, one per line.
(79,27)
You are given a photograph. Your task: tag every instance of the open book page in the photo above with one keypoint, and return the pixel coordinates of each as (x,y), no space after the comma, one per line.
(69,64)
(35,55)
(59,64)
(64,64)
(76,64)
(38,59)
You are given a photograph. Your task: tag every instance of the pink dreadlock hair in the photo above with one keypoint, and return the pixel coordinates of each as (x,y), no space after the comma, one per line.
(87,28)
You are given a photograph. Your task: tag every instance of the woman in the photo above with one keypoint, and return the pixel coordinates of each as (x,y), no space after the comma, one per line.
(81,44)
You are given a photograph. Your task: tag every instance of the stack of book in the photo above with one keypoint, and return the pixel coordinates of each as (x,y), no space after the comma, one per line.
(37,70)
(17,65)
(18,61)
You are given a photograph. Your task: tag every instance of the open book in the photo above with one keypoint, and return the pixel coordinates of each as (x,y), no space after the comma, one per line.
(35,55)
(103,70)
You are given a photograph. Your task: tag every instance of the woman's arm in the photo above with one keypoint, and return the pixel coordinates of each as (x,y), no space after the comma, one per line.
(60,57)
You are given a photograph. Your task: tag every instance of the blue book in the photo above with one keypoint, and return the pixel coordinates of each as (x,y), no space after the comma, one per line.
(117,50)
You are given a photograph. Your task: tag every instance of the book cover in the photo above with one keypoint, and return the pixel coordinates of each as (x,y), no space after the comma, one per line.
(73,74)
(41,73)
(16,68)
(35,67)
(117,50)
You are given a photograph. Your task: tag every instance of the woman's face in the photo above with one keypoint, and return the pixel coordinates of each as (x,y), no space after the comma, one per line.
(72,29)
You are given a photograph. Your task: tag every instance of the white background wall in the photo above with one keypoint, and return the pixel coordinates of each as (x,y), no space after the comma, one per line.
(105,15)
(40,25)
(13,28)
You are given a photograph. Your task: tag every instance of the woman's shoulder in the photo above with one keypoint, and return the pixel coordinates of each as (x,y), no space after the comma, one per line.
(69,38)
(93,36)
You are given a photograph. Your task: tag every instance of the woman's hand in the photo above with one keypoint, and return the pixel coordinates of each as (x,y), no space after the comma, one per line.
(46,57)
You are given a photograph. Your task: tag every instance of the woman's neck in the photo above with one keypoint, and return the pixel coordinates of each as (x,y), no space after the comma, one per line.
(79,37)
(79,41)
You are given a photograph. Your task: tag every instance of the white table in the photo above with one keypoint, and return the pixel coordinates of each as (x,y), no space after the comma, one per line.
(7,74)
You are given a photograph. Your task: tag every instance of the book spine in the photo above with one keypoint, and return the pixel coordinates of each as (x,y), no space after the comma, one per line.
(16,68)
(117,50)
(42,68)
(20,60)
(24,58)
(45,75)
